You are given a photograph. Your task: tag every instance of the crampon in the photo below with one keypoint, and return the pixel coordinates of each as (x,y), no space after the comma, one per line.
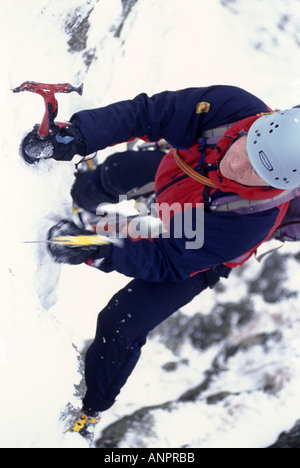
(86,423)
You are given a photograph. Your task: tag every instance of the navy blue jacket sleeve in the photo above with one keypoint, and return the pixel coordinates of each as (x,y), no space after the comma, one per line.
(171,115)
(226,237)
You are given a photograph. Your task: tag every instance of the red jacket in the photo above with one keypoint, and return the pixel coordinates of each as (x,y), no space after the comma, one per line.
(171,185)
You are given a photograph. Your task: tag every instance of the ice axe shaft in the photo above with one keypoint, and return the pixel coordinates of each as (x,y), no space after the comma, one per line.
(47,91)
(75,241)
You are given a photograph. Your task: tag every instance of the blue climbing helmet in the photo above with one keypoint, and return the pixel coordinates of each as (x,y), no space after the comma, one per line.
(273,146)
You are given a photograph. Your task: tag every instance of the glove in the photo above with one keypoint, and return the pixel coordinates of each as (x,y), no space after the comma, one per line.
(62,143)
(73,255)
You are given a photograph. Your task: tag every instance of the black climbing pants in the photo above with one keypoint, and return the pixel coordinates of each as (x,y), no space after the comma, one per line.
(124,324)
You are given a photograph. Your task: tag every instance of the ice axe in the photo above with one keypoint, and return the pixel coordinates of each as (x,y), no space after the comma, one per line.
(38,140)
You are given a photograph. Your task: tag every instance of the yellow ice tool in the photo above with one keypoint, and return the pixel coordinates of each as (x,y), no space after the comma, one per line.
(81,241)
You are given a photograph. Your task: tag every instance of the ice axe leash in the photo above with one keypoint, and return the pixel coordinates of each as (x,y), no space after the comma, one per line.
(41,132)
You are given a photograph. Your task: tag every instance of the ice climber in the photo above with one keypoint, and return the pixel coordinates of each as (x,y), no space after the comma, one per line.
(223,141)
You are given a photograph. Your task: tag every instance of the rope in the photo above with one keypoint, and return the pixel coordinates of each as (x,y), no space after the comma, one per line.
(185,167)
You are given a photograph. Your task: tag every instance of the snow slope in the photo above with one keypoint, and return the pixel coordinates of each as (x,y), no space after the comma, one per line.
(46,309)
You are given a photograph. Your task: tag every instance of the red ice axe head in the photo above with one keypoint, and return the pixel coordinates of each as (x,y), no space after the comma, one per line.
(48,91)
